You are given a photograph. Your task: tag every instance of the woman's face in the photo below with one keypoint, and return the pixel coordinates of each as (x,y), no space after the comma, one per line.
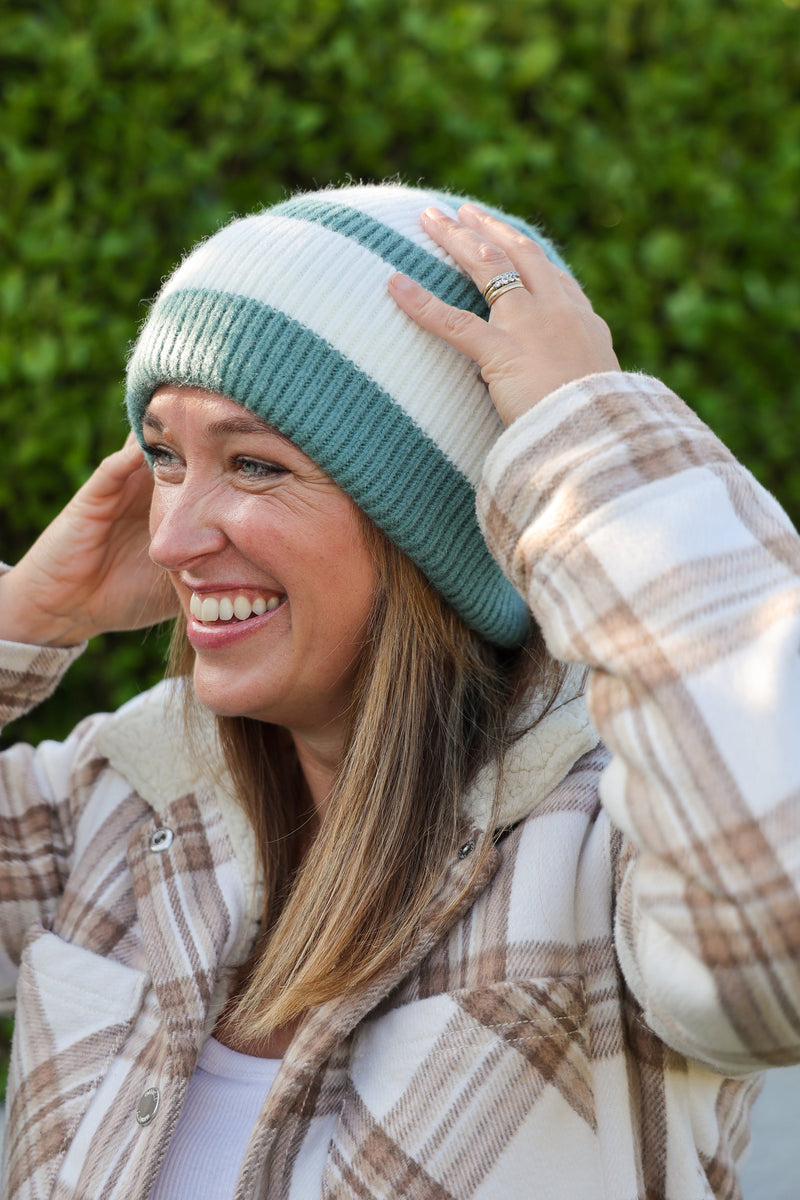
(269,560)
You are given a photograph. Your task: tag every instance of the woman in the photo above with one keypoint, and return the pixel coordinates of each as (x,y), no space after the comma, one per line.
(393,922)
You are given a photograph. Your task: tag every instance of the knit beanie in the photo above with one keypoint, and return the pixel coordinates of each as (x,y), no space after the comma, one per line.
(287,312)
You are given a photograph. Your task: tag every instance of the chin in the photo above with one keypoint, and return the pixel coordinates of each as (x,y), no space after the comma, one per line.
(225,701)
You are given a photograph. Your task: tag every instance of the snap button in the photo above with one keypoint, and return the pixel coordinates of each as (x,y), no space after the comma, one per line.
(147,1106)
(161,839)
(465,850)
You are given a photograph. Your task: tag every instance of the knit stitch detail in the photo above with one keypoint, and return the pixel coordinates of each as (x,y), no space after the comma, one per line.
(288,313)
(355,431)
(446,282)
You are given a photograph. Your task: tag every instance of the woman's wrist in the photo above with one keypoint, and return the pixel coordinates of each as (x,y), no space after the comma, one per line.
(23,621)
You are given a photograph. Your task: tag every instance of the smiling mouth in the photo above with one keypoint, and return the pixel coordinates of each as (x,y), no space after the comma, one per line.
(209,609)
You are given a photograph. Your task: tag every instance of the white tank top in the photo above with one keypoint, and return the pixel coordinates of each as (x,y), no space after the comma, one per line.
(223,1100)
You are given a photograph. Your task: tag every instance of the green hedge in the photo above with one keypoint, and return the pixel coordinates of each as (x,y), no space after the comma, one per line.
(657,140)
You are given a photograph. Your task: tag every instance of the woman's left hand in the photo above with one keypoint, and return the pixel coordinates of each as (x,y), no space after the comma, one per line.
(538,337)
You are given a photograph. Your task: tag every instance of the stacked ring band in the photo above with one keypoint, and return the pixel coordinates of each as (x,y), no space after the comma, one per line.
(505,282)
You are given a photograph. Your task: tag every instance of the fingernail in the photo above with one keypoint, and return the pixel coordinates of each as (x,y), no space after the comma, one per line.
(401,283)
(471,208)
(433,214)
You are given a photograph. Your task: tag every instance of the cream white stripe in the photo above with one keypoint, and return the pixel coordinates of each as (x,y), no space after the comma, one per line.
(348,279)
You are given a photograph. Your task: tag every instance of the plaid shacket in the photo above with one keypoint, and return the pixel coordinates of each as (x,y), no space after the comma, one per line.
(628,958)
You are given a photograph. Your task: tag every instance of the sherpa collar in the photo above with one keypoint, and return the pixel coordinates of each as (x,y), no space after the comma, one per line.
(534,765)
(146,742)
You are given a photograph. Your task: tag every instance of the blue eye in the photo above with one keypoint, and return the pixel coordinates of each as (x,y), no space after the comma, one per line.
(159,456)
(254,468)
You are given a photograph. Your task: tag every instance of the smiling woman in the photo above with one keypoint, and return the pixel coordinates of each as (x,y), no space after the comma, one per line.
(241,517)
(358,904)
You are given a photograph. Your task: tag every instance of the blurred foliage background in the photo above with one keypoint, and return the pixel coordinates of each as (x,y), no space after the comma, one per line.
(657,141)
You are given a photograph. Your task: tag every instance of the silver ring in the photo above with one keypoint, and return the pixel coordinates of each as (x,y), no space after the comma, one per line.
(505,282)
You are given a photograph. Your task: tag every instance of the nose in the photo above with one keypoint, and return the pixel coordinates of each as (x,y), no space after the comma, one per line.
(184,526)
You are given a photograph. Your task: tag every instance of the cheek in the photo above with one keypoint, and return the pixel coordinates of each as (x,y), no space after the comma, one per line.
(357,586)
(342,582)
(157,511)
(154,519)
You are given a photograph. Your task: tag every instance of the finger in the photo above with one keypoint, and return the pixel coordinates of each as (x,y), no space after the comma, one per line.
(484,260)
(464,331)
(124,468)
(479,257)
(529,257)
(526,255)
(506,236)
(131,450)
(127,459)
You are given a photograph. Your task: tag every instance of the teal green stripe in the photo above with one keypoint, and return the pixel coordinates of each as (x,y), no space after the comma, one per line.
(446,282)
(342,419)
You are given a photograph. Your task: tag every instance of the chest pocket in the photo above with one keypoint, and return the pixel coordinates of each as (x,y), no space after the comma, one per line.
(480,1090)
(74,1012)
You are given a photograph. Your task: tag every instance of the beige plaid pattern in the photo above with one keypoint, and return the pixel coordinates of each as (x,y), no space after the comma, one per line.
(590,1023)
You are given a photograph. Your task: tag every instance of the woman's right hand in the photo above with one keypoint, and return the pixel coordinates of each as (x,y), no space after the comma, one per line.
(90,571)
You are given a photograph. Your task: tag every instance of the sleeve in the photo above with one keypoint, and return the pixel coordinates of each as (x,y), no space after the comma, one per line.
(648,553)
(35,804)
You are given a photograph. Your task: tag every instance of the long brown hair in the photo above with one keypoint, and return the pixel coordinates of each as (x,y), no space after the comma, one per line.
(433,701)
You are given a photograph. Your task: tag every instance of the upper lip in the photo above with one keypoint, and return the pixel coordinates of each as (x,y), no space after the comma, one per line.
(218,588)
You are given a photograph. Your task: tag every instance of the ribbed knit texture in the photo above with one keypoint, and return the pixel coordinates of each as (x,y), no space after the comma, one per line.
(223,1100)
(287,312)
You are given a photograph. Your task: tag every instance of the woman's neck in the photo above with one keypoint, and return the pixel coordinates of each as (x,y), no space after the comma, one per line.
(319,757)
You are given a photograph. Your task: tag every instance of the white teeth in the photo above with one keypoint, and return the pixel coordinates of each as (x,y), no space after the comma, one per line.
(208,609)
(242,608)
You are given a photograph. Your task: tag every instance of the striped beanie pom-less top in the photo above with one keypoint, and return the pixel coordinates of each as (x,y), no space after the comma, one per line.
(287,312)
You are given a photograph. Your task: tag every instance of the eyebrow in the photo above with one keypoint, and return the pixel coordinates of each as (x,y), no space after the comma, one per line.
(246,423)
